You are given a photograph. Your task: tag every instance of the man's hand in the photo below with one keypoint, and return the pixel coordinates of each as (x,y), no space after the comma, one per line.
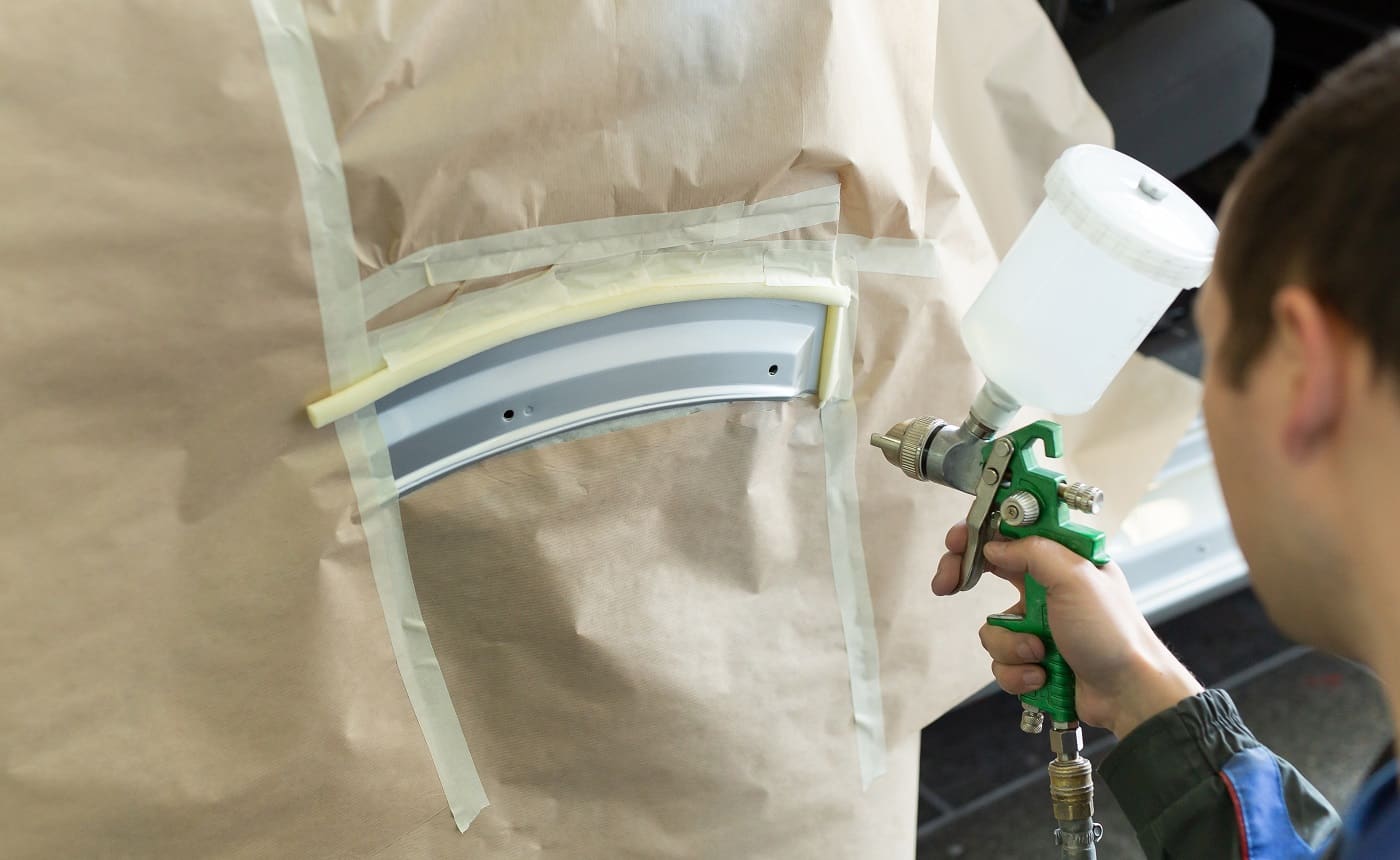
(1124,673)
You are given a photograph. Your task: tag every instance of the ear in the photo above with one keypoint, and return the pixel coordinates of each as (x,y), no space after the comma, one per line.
(1311,347)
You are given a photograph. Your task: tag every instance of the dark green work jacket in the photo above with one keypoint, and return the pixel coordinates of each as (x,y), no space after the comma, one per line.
(1197,785)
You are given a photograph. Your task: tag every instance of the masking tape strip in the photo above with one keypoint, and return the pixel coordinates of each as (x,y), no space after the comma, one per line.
(775,263)
(296,77)
(913,257)
(596,239)
(838,417)
(484,319)
(792,212)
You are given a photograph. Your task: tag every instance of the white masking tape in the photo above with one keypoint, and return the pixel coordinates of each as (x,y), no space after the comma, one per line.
(291,60)
(790,212)
(838,417)
(913,257)
(597,239)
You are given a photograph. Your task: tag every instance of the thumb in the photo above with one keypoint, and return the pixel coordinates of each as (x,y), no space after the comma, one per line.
(1050,563)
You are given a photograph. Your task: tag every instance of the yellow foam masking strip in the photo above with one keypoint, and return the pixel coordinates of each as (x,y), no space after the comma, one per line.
(838,419)
(296,77)
(655,274)
(597,239)
(563,295)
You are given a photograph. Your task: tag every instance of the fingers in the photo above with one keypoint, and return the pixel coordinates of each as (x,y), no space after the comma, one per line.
(1015,577)
(1014,658)
(949,574)
(1018,679)
(956,541)
(1010,648)
(1049,562)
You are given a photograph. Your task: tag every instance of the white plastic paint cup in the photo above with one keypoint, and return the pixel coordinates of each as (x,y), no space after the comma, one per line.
(1101,259)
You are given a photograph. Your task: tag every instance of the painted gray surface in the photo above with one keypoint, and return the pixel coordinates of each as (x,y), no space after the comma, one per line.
(663,357)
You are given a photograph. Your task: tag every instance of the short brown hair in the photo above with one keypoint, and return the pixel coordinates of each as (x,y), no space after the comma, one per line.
(1319,205)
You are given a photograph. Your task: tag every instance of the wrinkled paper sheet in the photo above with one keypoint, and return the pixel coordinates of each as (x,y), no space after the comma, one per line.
(638,629)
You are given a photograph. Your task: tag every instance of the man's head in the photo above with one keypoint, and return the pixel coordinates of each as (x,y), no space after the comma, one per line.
(1301,325)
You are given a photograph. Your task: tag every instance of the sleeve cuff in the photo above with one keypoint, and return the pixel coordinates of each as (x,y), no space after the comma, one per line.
(1173,752)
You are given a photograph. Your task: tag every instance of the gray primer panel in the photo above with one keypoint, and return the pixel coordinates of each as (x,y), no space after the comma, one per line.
(641,360)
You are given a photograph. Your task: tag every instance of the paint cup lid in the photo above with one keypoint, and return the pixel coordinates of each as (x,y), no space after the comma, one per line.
(1133,213)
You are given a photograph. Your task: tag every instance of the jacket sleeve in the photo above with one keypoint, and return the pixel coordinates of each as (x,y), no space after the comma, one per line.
(1195,783)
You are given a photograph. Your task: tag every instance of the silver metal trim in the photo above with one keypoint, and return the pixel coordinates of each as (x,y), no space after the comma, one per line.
(641,360)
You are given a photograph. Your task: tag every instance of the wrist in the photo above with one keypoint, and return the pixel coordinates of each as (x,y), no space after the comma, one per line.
(1157,683)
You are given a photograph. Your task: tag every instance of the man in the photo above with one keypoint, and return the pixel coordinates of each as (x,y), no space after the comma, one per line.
(1300,322)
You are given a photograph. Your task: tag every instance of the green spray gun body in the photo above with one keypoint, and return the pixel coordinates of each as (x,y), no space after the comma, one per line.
(1029,501)
(1015,496)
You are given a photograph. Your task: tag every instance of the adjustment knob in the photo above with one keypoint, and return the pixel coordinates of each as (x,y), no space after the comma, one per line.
(1082,497)
(1020,509)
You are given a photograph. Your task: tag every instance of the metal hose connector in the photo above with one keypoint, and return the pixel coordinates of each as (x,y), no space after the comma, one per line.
(1072,795)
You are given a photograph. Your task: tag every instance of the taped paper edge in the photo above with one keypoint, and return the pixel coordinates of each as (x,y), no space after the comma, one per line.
(296,77)
(838,418)
(450,348)
(596,239)
(916,258)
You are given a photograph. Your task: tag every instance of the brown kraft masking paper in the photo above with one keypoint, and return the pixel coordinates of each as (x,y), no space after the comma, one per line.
(638,629)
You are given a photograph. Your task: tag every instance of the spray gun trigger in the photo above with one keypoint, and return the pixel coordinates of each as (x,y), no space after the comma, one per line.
(983,519)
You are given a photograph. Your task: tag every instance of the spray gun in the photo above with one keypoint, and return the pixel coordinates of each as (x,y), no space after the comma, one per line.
(1016,496)
(1098,264)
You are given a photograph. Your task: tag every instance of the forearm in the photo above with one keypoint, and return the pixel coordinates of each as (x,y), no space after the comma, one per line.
(1191,778)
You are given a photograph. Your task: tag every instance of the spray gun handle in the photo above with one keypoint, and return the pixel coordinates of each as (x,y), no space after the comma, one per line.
(1035,501)
(1056,697)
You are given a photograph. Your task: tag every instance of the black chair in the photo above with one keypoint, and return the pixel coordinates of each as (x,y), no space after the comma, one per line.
(1180,80)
